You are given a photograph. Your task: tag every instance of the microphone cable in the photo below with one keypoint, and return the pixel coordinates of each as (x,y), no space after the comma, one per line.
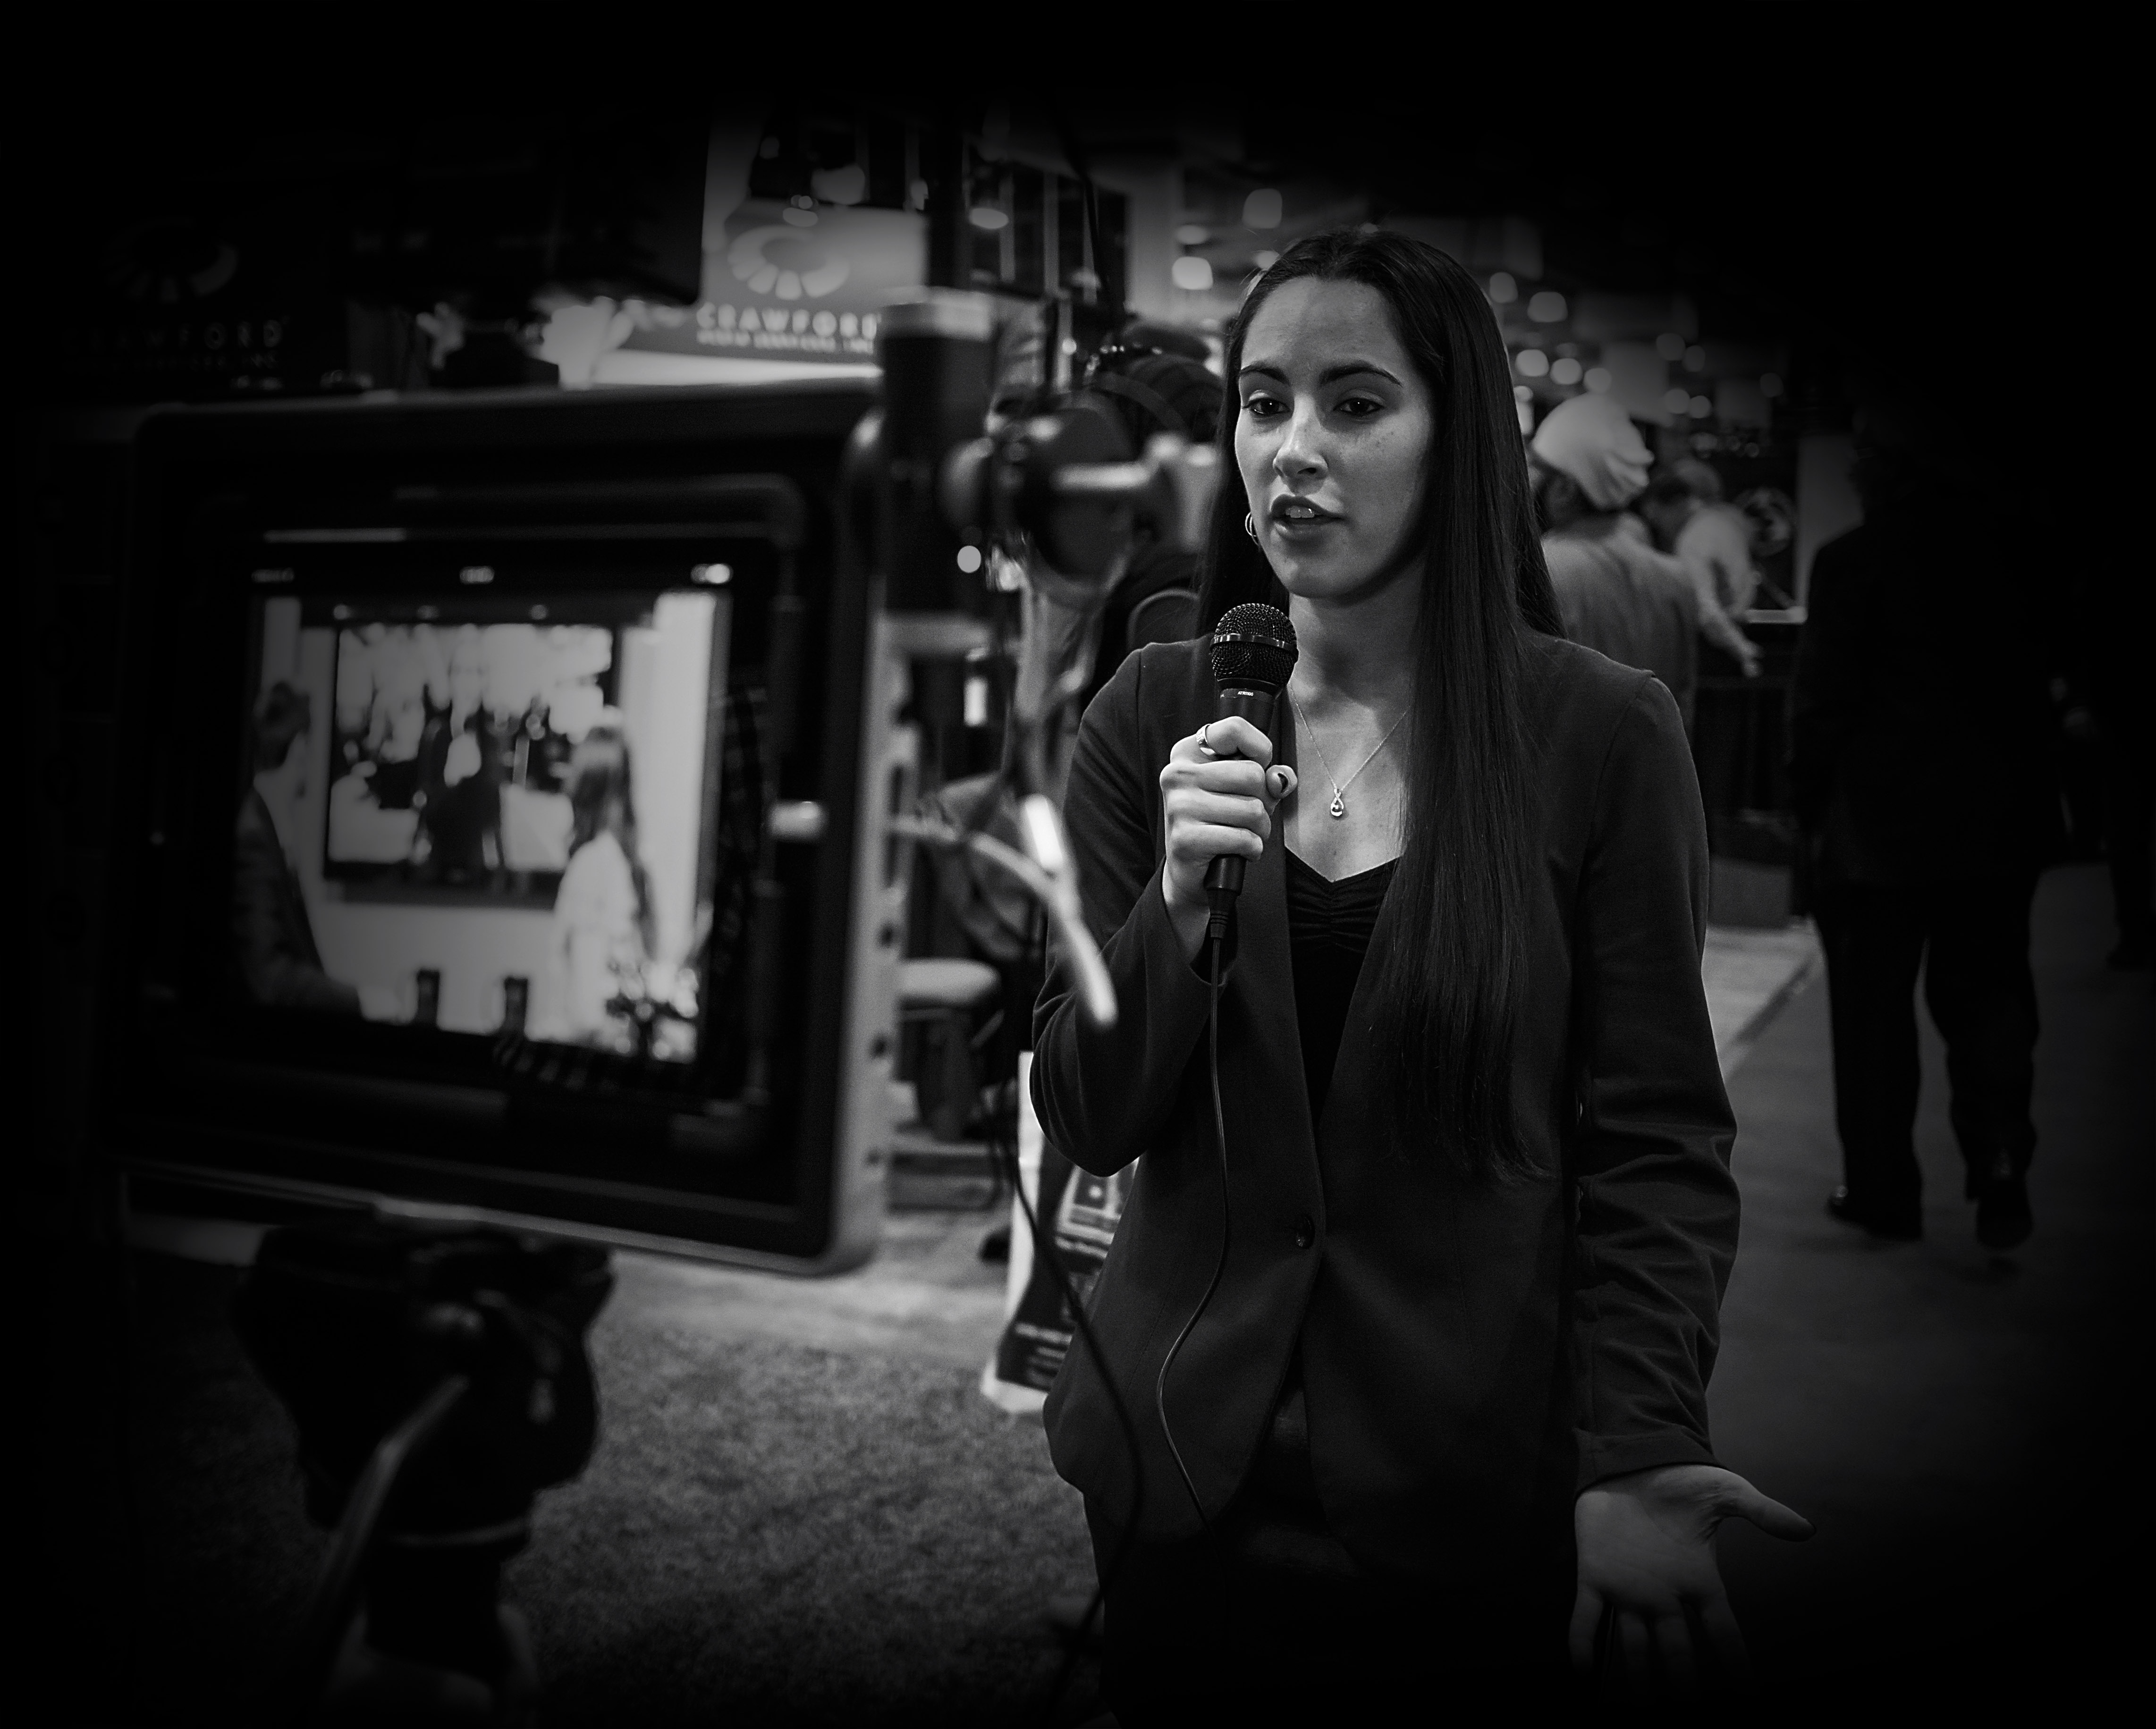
(1216,929)
(1044,1244)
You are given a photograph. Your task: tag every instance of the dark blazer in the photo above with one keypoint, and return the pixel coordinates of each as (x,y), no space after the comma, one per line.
(1920,734)
(1472,1355)
(273,939)
(459,818)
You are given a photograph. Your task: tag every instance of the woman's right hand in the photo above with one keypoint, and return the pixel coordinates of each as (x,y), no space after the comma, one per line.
(1217,793)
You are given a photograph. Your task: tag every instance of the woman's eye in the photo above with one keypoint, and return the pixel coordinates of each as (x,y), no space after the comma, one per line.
(1261,406)
(1361,407)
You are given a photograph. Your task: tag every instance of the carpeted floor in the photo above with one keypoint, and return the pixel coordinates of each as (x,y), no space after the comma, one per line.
(802,1511)
(1966,1428)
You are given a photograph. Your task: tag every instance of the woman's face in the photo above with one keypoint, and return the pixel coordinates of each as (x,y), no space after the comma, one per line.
(1332,437)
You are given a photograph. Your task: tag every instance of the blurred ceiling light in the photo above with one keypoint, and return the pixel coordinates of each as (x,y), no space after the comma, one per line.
(1770,384)
(1700,407)
(1564,370)
(1266,261)
(1670,345)
(1521,393)
(1677,401)
(1695,359)
(1192,233)
(1193,273)
(1597,379)
(1503,289)
(987,216)
(1262,209)
(1547,307)
(1532,363)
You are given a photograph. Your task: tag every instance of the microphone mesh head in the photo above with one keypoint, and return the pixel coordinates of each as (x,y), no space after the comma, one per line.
(1253,644)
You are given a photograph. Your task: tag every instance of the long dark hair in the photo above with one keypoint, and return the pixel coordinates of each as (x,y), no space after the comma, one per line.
(1450,989)
(600,801)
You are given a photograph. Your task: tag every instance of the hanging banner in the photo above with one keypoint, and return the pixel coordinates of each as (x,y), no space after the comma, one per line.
(782,282)
(1079,1212)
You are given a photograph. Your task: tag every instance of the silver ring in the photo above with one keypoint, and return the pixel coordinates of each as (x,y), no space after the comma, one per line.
(1204,742)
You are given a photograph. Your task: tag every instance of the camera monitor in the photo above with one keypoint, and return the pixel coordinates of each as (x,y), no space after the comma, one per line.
(505,850)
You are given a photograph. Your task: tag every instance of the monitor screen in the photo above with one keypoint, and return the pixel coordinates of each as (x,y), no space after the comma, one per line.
(457,879)
(501,814)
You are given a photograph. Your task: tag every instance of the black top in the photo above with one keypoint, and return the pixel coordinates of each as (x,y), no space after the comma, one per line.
(1328,932)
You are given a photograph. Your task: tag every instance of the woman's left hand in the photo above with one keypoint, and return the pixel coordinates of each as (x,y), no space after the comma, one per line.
(1646,1561)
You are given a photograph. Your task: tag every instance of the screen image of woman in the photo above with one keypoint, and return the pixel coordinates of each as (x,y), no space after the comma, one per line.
(601,940)
(1396,1379)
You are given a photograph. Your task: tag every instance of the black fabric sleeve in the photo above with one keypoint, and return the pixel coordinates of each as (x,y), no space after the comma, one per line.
(1103,1093)
(1657,1207)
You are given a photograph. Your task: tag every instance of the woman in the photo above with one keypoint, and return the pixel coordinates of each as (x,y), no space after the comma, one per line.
(602,923)
(1448,1398)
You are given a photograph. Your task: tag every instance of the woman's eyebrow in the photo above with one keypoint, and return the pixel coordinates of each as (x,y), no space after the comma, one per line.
(1348,369)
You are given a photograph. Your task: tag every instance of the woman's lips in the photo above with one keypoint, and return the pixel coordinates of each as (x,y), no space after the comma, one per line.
(1294,515)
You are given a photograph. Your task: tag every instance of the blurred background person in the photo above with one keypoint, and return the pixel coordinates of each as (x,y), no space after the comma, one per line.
(603,935)
(1157,381)
(273,936)
(459,772)
(1920,758)
(2109,719)
(1712,540)
(1615,593)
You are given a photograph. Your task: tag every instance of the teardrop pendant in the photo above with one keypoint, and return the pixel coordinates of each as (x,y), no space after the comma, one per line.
(1338,807)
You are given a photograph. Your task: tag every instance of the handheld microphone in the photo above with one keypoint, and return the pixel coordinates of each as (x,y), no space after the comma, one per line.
(1254,651)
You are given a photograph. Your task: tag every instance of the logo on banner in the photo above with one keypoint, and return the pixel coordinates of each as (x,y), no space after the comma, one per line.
(797,285)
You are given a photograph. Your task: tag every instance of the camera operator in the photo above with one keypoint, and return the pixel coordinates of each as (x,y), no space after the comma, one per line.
(1156,384)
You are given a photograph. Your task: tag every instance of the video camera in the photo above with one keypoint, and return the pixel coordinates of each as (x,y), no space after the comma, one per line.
(529,783)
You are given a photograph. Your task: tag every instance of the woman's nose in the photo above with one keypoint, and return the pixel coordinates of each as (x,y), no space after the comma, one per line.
(1300,453)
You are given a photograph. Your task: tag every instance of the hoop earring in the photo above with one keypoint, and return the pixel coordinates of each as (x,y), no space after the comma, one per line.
(1250,527)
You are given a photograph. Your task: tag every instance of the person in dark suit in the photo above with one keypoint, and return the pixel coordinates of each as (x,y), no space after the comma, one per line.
(273,938)
(459,774)
(1921,740)
(1441,1411)
(1152,390)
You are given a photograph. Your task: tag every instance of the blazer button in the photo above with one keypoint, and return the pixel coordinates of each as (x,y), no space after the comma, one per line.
(1306,1230)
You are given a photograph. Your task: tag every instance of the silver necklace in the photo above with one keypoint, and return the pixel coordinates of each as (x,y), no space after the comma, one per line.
(1338,808)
